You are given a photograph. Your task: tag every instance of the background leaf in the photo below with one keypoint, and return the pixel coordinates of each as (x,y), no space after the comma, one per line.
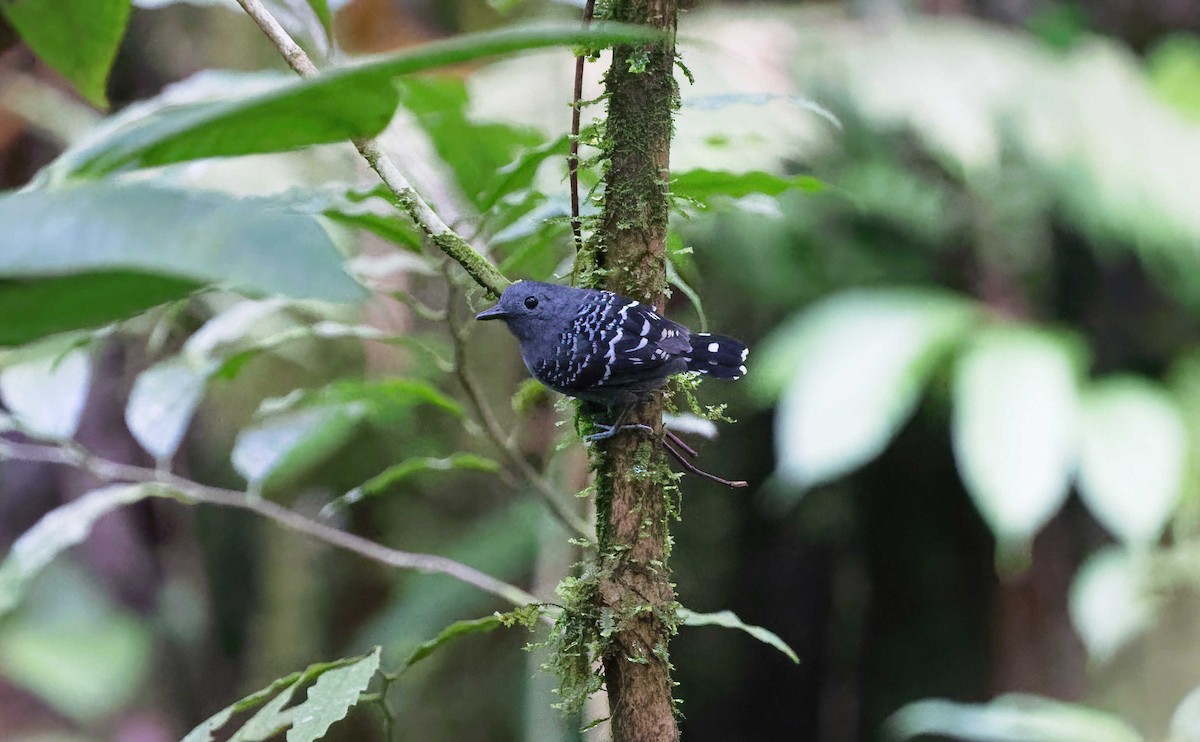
(46,394)
(1110,601)
(59,530)
(291,114)
(1133,455)
(1010,718)
(729,620)
(702,185)
(1015,428)
(854,366)
(116,234)
(161,404)
(73,649)
(78,38)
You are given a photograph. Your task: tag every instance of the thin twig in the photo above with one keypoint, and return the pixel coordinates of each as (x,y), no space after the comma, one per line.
(678,442)
(495,432)
(113,471)
(446,239)
(573,158)
(731,483)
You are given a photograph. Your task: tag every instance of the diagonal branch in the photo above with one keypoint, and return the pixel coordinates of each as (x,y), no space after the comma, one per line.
(113,471)
(426,219)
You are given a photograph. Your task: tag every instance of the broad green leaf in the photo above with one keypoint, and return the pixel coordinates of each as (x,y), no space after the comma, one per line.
(338,686)
(729,620)
(477,153)
(290,114)
(1111,601)
(519,173)
(35,308)
(294,440)
(78,38)
(161,404)
(701,185)
(164,397)
(46,394)
(394,474)
(121,230)
(1133,457)
(1009,718)
(69,646)
(294,432)
(330,699)
(469,47)
(452,632)
(1015,429)
(854,367)
(59,530)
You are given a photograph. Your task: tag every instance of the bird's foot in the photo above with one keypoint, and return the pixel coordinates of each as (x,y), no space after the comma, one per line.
(608,431)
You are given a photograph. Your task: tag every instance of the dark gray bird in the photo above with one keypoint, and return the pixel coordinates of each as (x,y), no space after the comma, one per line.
(604,348)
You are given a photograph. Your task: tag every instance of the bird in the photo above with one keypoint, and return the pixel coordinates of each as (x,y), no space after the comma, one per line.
(606,349)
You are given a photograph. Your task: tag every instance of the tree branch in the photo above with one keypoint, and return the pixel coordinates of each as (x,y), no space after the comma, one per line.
(113,471)
(447,240)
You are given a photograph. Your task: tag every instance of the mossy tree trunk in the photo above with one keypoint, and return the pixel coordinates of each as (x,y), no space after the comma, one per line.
(634,498)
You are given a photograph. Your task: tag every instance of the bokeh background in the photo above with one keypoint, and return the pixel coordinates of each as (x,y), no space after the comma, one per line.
(969,429)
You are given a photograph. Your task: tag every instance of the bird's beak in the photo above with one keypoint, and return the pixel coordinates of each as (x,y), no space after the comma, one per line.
(494,313)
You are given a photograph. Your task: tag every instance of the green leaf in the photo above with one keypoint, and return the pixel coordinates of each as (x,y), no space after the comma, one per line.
(854,366)
(1015,429)
(161,404)
(46,393)
(1009,718)
(291,114)
(1111,601)
(35,308)
(78,38)
(294,441)
(330,698)
(121,230)
(59,530)
(321,10)
(338,686)
(296,432)
(701,185)
(389,477)
(1133,457)
(1173,66)
(729,620)
(73,649)
(478,153)
(353,101)
(469,47)
(454,631)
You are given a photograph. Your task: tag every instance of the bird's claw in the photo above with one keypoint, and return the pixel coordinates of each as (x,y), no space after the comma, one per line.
(608,431)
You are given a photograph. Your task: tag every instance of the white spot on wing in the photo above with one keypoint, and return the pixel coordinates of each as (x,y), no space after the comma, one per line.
(714,347)
(745,352)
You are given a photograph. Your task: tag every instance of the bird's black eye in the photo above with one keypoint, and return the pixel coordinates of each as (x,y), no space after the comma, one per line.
(531,302)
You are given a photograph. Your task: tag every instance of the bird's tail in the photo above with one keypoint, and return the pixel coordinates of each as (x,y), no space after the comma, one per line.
(717,356)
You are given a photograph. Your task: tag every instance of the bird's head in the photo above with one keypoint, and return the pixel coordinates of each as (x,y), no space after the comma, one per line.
(533,309)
